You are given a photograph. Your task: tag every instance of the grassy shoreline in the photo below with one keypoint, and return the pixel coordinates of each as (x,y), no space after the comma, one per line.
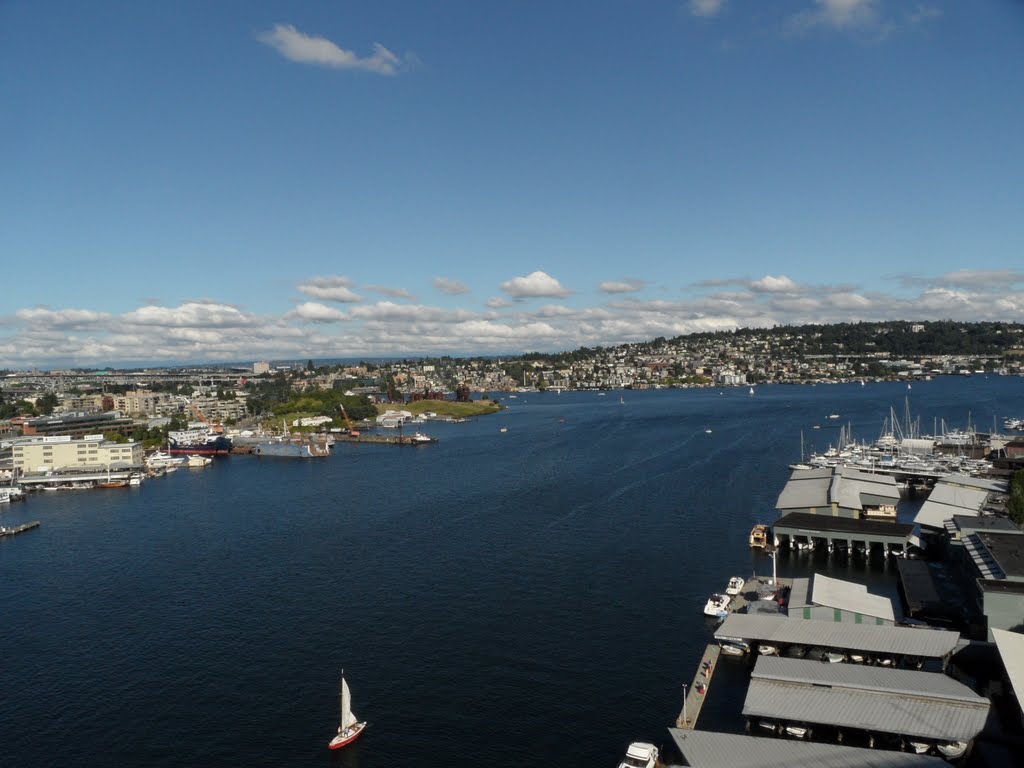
(444,408)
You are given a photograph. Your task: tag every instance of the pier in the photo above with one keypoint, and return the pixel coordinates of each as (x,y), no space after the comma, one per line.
(386,439)
(693,701)
(4,531)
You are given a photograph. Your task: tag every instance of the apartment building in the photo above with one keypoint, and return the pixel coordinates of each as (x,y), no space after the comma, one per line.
(64,453)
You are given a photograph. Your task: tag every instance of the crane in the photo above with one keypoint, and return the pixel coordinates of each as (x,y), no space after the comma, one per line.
(348,421)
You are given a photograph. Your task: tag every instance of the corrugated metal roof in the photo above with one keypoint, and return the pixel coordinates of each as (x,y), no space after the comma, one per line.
(705,749)
(875,711)
(975,482)
(806,488)
(909,682)
(850,596)
(799,594)
(947,500)
(901,641)
(1011,649)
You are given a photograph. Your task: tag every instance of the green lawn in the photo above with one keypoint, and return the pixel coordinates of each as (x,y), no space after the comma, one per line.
(444,407)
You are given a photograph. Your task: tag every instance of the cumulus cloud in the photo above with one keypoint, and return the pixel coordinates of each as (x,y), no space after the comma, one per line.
(330,288)
(62,318)
(837,14)
(534,285)
(210,330)
(449,286)
(315,312)
(705,7)
(773,284)
(311,49)
(395,293)
(622,286)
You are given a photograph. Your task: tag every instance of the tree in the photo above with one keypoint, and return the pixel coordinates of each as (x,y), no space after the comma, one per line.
(1015,506)
(47,403)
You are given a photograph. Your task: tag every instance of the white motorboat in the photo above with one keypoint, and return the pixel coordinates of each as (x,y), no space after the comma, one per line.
(732,649)
(349,727)
(919,747)
(717,606)
(798,731)
(768,725)
(199,461)
(640,754)
(768,650)
(161,459)
(735,586)
(833,657)
(952,749)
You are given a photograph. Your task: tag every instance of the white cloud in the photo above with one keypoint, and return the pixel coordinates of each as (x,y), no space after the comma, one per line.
(622,286)
(837,14)
(499,302)
(449,286)
(316,312)
(773,284)
(982,278)
(705,7)
(310,49)
(62,318)
(534,285)
(192,314)
(395,293)
(330,288)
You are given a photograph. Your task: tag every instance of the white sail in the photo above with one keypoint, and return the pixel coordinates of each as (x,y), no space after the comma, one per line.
(347,718)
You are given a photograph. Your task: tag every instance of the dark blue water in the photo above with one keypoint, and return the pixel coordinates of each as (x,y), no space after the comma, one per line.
(497,598)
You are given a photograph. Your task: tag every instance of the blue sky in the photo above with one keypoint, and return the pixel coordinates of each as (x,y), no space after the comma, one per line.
(235,180)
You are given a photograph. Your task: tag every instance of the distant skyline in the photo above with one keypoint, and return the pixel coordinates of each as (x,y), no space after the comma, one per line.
(189,182)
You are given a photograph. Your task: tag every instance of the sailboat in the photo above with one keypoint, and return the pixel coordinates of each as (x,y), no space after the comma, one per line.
(349,727)
(751,390)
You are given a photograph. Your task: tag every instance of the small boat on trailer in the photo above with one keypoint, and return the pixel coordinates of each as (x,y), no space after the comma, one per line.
(349,727)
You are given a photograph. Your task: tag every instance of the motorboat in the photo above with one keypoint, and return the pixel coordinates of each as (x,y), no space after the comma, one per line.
(197,461)
(833,657)
(349,727)
(759,536)
(951,749)
(797,731)
(717,606)
(732,649)
(768,725)
(768,650)
(640,754)
(735,585)
(919,747)
(858,658)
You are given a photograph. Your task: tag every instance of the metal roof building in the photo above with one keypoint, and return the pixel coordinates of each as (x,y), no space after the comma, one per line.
(955,495)
(838,491)
(781,630)
(823,597)
(1011,650)
(925,705)
(822,529)
(705,749)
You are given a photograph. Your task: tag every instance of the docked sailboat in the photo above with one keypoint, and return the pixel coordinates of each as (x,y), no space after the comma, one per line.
(349,727)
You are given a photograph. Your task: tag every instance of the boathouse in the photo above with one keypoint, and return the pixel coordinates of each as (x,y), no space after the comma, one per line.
(826,599)
(900,643)
(839,492)
(1011,650)
(997,568)
(955,495)
(803,530)
(853,700)
(707,749)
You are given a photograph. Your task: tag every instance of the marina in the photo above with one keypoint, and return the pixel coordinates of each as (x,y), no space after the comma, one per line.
(522,524)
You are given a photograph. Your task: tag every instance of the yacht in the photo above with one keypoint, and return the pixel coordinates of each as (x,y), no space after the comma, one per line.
(717,606)
(735,585)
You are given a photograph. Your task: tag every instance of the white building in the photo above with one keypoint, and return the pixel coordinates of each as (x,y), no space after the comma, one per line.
(59,454)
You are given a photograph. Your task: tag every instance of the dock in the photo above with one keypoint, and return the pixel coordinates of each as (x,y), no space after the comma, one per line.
(694,699)
(4,531)
(386,439)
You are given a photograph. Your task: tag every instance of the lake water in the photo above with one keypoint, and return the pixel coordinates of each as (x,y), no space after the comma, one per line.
(500,599)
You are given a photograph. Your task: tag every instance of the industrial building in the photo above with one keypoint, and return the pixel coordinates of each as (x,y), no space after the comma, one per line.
(802,529)
(955,495)
(839,492)
(826,599)
(853,701)
(706,749)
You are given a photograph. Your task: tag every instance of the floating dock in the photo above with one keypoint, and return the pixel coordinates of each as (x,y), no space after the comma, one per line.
(386,439)
(18,528)
(698,690)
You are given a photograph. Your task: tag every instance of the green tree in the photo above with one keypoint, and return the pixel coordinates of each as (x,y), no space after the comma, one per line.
(47,403)
(1015,506)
